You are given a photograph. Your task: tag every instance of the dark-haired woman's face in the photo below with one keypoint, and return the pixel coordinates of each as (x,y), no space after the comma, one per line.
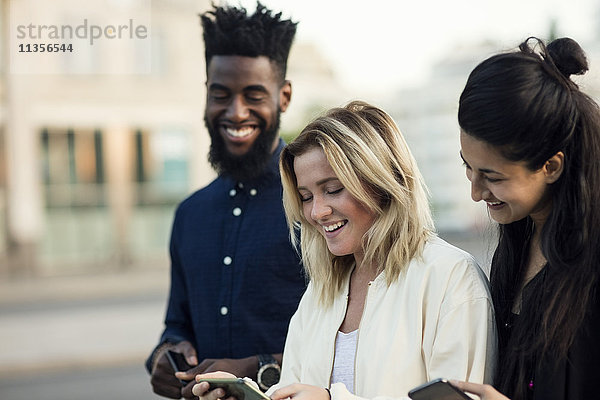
(511,190)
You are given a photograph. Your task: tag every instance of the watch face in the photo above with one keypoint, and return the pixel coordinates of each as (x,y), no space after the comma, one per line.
(270,376)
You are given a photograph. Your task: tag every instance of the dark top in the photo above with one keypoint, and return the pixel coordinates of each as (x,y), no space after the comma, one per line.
(236,279)
(576,377)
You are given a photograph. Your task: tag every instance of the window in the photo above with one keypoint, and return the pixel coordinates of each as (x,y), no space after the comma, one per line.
(161,166)
(72,167)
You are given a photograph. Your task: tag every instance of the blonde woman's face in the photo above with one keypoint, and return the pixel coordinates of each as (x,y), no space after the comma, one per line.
(329,207)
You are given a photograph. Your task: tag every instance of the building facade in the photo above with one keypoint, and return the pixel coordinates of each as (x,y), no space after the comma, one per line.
(93,165)
(427,115)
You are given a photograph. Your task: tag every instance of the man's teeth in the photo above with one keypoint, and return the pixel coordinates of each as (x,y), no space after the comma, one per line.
(239,133)
(333,227)
(494,203)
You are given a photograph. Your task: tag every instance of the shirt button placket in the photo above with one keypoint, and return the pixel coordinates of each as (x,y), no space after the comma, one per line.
(238,197)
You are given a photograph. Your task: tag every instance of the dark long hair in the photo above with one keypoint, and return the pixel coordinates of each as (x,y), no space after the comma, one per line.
(525,104)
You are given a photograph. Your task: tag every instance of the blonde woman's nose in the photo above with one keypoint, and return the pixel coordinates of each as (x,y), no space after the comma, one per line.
(319,209)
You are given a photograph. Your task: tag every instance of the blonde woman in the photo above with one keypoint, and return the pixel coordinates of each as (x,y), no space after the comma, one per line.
(389,305)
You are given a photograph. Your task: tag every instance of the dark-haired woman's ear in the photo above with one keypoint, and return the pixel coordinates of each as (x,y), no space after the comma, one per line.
(285,95)
(554,167)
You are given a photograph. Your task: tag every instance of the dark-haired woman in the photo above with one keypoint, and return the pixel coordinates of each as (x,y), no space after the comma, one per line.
(530,141)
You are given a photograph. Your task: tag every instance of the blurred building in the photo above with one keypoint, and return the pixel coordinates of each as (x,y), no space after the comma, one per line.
(91,160)
(427,115)
(315,87)
(92,166)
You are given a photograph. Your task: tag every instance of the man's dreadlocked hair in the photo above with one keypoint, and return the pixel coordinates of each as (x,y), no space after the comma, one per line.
(229,31)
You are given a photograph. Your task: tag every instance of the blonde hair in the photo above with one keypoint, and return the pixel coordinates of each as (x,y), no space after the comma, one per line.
(371,159)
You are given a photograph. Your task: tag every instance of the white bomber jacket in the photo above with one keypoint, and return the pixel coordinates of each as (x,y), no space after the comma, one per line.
(436,320)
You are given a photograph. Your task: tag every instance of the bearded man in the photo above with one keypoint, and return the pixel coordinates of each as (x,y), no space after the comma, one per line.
(236,279)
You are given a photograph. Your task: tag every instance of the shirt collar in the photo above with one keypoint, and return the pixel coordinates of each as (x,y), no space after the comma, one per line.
(270,174)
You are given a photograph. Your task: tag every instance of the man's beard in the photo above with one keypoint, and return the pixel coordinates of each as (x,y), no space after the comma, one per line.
(247,166)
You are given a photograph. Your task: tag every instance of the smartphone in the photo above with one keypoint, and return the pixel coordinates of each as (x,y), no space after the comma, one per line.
(437,389)
(236,387)
(178,363)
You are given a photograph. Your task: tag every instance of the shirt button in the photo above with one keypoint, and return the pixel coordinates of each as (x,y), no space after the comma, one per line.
(252,192)
(240,185)
(237,211)
(232,192)
(227,260)
(224,310)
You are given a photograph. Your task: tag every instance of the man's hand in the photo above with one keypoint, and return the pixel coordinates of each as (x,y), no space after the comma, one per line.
(163,380)
(241,367)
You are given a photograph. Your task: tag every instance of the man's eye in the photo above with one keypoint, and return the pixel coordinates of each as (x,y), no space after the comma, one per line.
(219,95)
(255,97)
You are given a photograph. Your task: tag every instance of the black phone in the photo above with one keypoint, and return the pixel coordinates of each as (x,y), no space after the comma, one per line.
(437,389)
(236,387)
(178,363)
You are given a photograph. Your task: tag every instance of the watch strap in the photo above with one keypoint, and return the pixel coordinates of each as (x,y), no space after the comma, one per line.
(264,359)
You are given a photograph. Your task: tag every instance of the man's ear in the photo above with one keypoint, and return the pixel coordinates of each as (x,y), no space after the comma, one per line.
(554,167)
(285,95)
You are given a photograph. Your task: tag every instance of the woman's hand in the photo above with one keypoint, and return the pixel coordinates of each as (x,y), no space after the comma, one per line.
(201,389)
(298,391)
(485,392)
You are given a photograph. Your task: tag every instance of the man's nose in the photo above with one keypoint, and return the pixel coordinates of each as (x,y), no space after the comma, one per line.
(237,110)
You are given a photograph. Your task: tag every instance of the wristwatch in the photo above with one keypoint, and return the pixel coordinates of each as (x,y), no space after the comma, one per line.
(268,371)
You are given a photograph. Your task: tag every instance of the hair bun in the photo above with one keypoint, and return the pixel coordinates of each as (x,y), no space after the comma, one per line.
(568,56)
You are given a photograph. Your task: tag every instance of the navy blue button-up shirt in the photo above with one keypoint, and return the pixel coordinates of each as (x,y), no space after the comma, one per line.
(236,280)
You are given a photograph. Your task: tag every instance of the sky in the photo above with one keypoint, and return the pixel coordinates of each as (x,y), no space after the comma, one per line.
(378,44)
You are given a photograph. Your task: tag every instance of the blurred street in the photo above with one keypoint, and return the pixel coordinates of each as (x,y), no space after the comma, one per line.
(114,382)
(80,337)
